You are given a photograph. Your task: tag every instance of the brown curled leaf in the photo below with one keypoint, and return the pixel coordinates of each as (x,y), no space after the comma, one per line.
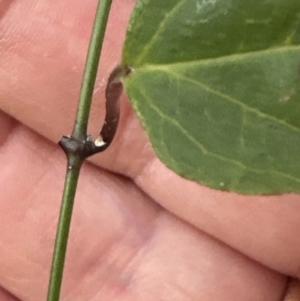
(113,92)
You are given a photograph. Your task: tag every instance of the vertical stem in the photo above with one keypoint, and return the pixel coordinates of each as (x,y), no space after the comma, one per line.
(62,234)
(75,151)
(91,68)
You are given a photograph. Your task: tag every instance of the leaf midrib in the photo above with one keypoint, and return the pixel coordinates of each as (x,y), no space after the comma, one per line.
(173,69)
(221,59)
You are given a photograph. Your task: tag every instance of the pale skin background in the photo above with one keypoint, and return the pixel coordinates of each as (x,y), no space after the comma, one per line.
(139,232)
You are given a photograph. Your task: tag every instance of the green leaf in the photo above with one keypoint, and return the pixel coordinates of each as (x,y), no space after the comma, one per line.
(216,85)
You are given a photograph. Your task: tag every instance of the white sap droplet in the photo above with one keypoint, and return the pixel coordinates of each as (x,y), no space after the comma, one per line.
(99,141)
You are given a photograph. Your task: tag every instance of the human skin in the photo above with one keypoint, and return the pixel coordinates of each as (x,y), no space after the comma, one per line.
(139,231)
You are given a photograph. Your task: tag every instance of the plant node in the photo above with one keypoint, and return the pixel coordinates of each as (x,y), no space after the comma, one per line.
(84,148)
(81,148)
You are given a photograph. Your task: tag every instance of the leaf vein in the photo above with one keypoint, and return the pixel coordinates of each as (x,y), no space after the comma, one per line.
(232,99)
(160,28)
(224,58)
(204,150)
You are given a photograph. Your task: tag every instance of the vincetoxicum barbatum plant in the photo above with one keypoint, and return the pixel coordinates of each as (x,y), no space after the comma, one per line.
(216,85)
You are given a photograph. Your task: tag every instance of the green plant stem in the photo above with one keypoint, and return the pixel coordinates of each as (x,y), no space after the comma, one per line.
(61,241)
(91,68)
(75,159)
